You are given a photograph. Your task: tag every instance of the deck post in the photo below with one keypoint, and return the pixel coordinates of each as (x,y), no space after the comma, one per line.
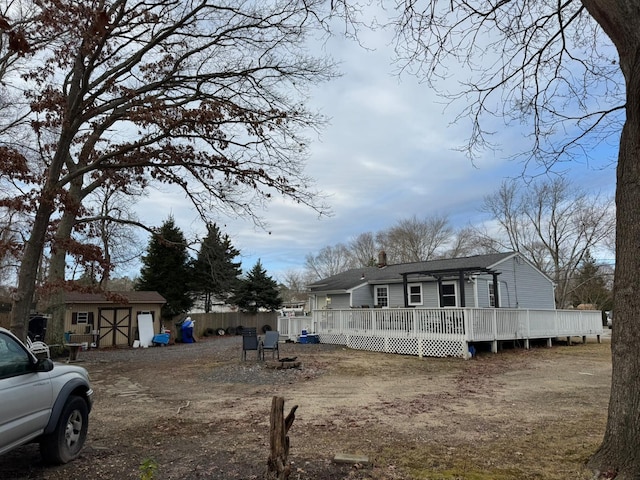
(599,339)
(569,341)
(584,339)
(526,344)
(494,346)
(466,354)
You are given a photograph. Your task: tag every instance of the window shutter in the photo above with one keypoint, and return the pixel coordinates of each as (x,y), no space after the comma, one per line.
(74,318)
(90,319)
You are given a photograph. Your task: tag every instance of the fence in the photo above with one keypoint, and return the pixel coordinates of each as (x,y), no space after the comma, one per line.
(439,332)
(206,323)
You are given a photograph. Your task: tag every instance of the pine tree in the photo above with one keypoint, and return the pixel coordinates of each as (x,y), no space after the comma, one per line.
(166,269)
(215,274)
(590,286)
(257,291)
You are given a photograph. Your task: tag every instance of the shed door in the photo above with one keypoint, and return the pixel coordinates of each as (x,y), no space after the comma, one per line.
(114,325)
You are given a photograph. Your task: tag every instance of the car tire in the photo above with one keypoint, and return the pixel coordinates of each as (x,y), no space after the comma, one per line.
(65,442)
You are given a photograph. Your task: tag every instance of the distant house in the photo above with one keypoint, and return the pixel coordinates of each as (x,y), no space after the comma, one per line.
(109,320)
(501,280)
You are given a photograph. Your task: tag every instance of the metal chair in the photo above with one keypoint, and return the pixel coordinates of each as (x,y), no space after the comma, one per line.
(250,341)
(271,341)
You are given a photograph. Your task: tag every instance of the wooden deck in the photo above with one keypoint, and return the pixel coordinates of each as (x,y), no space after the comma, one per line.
(440,332)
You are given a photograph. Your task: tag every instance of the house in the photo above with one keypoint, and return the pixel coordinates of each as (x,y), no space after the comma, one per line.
(109,319)
(500,280)
(440,308)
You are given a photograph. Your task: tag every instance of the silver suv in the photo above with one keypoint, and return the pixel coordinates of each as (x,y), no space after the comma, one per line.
(42,402)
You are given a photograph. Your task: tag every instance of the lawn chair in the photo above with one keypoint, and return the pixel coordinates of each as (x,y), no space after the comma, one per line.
(38,348)
(250,341)
(271,340)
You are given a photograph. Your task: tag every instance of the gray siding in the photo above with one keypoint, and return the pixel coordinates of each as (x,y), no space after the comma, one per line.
(469,295)
(430,295)
(396,295)
(340,301)
(362,296)
(523,286)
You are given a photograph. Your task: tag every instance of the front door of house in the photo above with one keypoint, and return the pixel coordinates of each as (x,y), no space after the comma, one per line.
(114,325)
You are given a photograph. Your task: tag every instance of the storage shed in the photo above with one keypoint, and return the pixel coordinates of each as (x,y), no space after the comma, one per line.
(109,319)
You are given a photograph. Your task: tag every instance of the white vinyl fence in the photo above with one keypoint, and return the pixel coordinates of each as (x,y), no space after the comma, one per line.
(439,332)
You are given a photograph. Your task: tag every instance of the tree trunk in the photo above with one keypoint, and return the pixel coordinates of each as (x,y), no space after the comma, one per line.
(620,450)
(58,263)
(278,467)
(24,296)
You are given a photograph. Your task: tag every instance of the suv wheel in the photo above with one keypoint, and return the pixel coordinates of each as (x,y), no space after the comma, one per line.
(65,442)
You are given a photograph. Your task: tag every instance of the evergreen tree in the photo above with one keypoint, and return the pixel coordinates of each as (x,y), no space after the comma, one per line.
(590,285)
(166,269)
(215,274)
(257,291)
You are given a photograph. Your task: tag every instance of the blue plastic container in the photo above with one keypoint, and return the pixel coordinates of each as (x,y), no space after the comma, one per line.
(161,338)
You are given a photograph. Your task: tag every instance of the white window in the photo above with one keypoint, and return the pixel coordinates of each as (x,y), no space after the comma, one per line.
(415,293)
(83,317)
(492,295)
(382,296)
(448,295)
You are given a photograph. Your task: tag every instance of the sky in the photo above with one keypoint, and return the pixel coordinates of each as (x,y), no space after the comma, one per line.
(388,153)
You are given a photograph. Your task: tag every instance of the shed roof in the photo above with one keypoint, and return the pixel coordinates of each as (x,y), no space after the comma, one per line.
(393,273)
(115,297)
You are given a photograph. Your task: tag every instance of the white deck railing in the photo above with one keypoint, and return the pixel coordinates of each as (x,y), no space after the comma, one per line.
(442,331)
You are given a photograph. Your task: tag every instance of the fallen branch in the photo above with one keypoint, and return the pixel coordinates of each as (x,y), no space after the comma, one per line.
(183,406)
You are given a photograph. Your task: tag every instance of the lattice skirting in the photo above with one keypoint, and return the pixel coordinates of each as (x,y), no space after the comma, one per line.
(403,346)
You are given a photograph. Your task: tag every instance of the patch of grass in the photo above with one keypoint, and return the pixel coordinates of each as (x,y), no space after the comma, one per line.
(148,469)
(547,451)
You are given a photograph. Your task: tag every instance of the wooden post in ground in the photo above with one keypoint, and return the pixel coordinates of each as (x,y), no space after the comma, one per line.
(278,467)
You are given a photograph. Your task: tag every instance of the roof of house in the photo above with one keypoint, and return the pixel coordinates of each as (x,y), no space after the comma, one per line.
(115,297)
(357,276)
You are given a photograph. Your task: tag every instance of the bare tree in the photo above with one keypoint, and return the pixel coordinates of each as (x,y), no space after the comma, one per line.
(204,96)
(571,72)
(295,286)
(364,250)
(414,240)
(410,240)
(112,229)
(329,261)
(463,243)
(9,246)
(552,223)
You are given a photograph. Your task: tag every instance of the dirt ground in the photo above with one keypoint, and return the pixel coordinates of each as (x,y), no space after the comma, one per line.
(199,411)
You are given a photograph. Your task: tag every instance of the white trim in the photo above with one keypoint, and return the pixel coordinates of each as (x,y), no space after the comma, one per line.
(490,295)
(85,318)
(421,301)
(455,294)
(375,295)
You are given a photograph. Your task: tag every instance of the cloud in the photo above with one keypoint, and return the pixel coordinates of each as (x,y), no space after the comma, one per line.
(389,152)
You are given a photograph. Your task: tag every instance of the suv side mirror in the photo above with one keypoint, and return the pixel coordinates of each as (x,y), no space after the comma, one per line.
(44,365)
